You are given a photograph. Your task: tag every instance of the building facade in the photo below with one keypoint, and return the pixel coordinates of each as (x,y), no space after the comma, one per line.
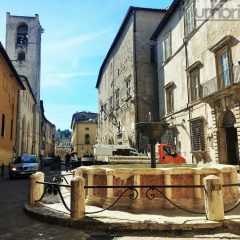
(84,125)
(10,85)
(127,80)
(48,132)
(23,45)
(63,146)
(26,117)
(199,80)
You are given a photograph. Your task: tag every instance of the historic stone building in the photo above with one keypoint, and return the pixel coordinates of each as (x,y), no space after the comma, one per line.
(199,76)
(83,127)
(127,80)
(25,131)
(62,147)
(23,45)
(10,85)
(48,132)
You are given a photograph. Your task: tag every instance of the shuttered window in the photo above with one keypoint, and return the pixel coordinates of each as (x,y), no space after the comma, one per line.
(197,135)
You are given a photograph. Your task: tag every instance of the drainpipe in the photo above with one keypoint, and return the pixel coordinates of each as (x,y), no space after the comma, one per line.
(185,42)
(135,77)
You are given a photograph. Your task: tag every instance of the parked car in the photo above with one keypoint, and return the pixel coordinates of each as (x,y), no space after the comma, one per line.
(23,165)
(47,161)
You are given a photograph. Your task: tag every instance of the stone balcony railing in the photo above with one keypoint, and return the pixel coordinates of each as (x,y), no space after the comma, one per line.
(221,81)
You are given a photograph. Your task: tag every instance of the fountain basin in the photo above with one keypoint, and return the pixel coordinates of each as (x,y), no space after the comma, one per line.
(191,198)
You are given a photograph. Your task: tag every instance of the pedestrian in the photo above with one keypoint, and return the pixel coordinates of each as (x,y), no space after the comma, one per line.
(68,162)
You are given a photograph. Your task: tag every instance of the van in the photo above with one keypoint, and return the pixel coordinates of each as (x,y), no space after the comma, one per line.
(103,152)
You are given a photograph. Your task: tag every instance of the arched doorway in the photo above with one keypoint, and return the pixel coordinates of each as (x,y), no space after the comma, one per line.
(231,138)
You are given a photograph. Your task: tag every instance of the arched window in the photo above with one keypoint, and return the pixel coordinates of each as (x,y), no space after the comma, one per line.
(22,34)
(87,139)
(21,55)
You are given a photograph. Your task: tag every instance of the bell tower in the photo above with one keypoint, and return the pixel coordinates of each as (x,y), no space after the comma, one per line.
(23,45)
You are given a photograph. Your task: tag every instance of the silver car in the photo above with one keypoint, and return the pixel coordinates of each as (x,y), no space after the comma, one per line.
(23,165)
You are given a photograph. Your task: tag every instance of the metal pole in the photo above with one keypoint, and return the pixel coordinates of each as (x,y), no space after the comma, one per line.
(153,155)
(2,170)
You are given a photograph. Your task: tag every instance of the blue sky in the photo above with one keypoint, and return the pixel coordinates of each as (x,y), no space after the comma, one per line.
(77,35)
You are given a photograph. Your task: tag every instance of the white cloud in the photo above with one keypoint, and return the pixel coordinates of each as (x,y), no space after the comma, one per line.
(71,43)
(62,79)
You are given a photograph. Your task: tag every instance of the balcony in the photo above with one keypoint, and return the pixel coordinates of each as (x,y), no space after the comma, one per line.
(221,83)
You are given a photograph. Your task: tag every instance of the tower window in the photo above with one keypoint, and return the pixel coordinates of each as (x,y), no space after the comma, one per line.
(21,55)
(87,139)
(22,34)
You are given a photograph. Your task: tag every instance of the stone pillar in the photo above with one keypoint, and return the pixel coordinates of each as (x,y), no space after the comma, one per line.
(233,180)
(197,191)
(109,175)
(214,206)
(77,198)
(90,183)
(35,189)
(78,172)
(168,191)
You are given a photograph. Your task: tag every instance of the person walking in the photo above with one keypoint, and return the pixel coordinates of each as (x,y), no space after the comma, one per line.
(68,162)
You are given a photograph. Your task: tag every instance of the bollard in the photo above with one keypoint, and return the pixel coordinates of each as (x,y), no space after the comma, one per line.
(35,189)
(77,197)
(214,206)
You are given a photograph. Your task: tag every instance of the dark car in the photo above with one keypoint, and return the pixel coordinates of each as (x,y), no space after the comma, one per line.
(24,165)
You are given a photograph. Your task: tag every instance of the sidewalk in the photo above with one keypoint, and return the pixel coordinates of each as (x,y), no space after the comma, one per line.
(54,212)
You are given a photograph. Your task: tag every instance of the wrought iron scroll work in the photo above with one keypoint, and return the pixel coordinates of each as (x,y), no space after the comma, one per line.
(53,189)
(152,196)
(132,195)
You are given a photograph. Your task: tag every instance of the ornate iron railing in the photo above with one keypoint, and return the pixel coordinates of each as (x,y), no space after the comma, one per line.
(54,188)
(221,81)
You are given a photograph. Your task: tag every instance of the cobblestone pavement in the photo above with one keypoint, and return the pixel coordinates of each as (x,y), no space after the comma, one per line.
(15,224)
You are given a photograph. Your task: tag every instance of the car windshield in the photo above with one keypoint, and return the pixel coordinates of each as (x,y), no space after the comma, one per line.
(26,159)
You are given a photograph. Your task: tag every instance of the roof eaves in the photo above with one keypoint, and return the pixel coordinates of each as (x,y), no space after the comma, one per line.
(10,65)
(26,79)
(165,19)
(121,29)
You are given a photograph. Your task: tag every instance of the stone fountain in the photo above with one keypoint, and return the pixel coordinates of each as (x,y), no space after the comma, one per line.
(153,131)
